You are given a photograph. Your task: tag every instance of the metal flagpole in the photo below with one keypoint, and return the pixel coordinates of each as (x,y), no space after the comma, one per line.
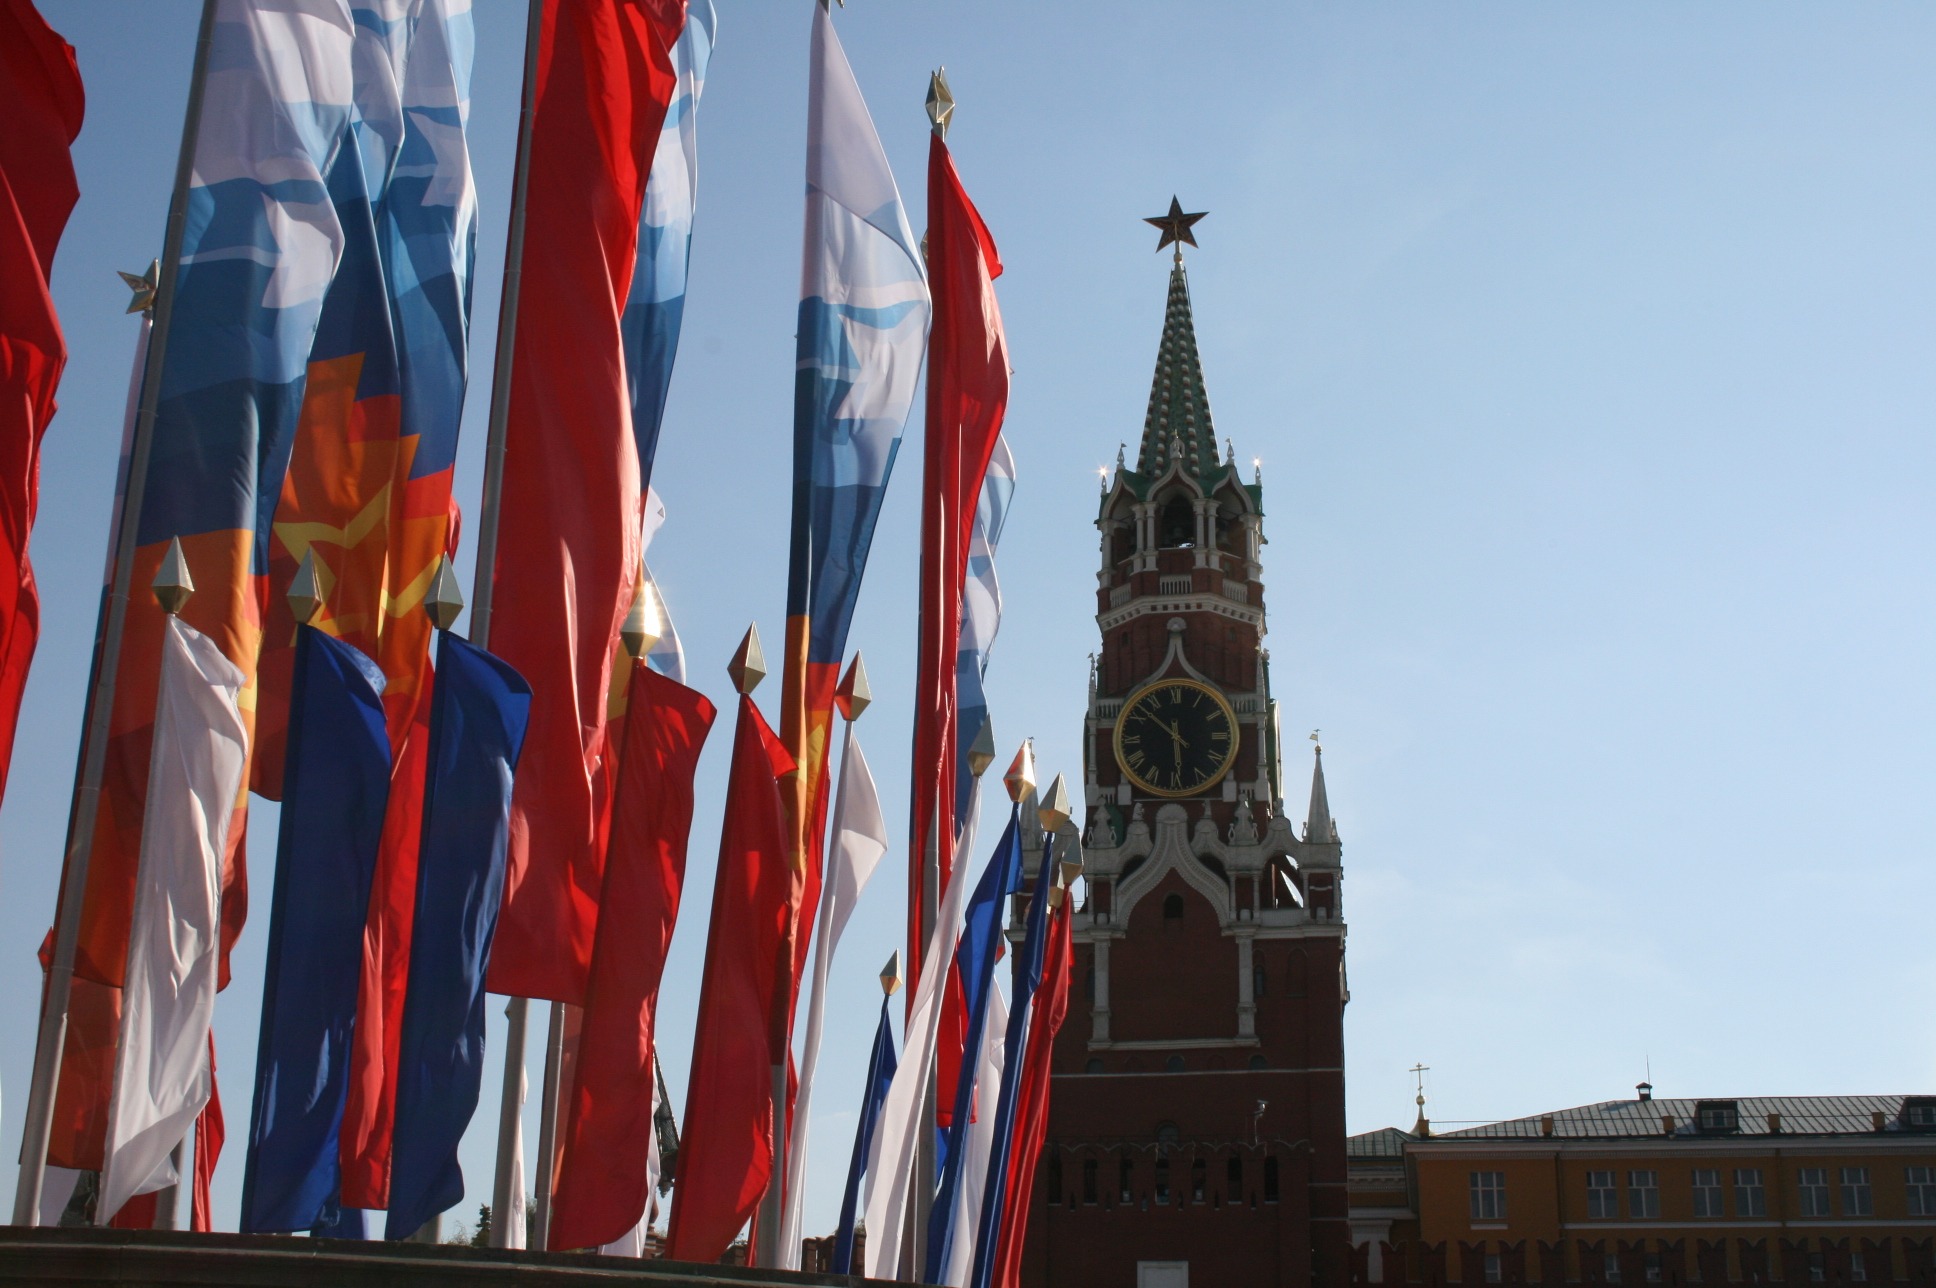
(37,1124)
(509,1120)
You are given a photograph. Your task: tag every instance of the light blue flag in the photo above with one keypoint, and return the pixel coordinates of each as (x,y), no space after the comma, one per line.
(981,615)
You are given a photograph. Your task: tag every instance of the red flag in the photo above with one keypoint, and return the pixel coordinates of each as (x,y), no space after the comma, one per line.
(967,397)
(1032,1104)
(570,515)
(602,1188)
(210,1132)
(726,1146)
(41,86)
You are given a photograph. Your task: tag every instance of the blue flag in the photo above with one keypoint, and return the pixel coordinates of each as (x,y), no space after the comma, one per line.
(975,960)
(478,710)
(880,1072)
(336,785)
(1003,1144)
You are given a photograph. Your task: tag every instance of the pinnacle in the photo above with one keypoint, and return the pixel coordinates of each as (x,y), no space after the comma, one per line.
(1179,406)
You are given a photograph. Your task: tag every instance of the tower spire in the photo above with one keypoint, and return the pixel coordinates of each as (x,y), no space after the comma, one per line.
(1179,405)
(1317,823)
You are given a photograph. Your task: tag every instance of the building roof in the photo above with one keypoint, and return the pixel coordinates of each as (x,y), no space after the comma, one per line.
(1386,1142)
(1616,1119)
(1179,405)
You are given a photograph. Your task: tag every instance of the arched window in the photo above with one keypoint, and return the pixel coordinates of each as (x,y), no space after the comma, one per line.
(1162,1180)
(1270,1179)
(1055,1178)
(1094,1065)
(1125,1179)
(1176,526)
(1173,907)
(1199,1180)
(1258,1062)
(1233,1179)
(1173,1065)
(1259,977)
(1167,1134)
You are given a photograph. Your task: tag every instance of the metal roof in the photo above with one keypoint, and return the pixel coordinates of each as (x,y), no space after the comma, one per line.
(1386,1142)
(1615,1119)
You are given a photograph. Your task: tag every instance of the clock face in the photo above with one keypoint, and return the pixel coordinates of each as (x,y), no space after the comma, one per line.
(1176,738)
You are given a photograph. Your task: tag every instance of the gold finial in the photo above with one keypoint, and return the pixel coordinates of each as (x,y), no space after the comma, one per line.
(891,974)
(853,696)
(1054,810)
(1418,1071)
(305,592)
(981,753)
(941,103)
(1070,869)
(445,600)
(643,625)
(748,666)
(1176,227)
(143,288)
(172,584)
(1020,778)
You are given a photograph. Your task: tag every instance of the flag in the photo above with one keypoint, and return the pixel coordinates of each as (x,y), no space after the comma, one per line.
(1032,1114)
(41,85)
(478,717)
(567,556)
(976,1149)
(859,841)
(967,393)
(162,1073)
(335,791)
(861,331)
(880,1076)
(981,613)
(604,1183)
(974,971)
(656,307)
(514,1232)
(211,1132)
(890,1164)
(726,1150)
(994,1198)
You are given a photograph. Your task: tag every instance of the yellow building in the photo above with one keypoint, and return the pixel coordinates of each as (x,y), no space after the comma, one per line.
(1788,1189)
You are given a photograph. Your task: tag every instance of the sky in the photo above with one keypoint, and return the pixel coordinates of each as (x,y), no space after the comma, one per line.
(1586,351)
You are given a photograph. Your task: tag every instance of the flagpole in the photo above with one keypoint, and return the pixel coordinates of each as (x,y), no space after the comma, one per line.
(517,1012)
(37,1123)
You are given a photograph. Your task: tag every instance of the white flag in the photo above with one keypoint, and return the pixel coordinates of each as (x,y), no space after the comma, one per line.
(981,1137)
(890,1163)
(859,841)
(512,1222)
(161,1073)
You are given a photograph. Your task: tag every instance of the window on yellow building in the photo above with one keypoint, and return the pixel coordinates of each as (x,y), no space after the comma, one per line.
(1643,1195)
(1495,1272)
(1612,1264)
(1707,1191)
(1488,1196)
(1857,1199)
(1811,1190)
(1921,1184)
(1602,1200)
(1750,1196)
(1858,1269)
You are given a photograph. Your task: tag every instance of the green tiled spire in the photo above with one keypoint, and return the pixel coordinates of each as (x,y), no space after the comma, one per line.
(1179,408)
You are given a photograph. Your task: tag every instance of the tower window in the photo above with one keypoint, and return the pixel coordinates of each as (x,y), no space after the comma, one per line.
(1233,1179)
(1125,1178)
(1167,1134)
(1176,527)
(1258,978)
(1258,1062)
(1173,907)
(1173,1065)
(1199,1180)
(1094,1065)
(1089,1170)
(1270,1179)
(1162,1180)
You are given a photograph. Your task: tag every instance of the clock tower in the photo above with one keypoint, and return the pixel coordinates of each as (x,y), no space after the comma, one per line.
(1196,1124)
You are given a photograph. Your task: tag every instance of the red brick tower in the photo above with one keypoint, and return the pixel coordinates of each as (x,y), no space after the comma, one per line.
(1196,1132)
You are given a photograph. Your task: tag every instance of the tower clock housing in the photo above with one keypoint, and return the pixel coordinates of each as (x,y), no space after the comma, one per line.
(1196,1130)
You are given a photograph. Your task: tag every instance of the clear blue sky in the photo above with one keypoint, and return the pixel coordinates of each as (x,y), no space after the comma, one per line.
(1588,354)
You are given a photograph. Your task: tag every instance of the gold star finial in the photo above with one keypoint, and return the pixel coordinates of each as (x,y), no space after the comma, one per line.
(1176,227)
(143,287)
(941,102)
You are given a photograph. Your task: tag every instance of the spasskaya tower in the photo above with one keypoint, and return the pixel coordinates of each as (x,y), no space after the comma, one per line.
(1196,1125)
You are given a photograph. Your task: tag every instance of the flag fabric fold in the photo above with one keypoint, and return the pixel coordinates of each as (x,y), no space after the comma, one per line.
(567,556)
(881,1062)
(977,1147)
(967,394)
(974,970)
(890,1163)
(861,330)
(1028,976)
(41,85)
(859,841)
(981,612)
(335,791)
(162,1070)
(727,1137)
(605,1180)
(211,1132)
(478,716)
(1032,1113)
